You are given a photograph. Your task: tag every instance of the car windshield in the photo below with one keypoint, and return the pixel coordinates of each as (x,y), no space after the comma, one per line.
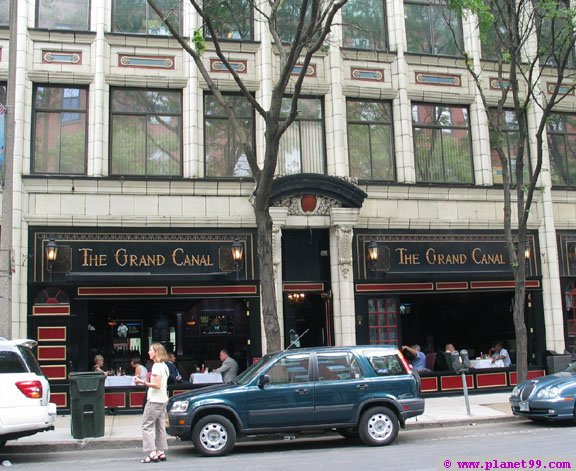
(251,372)
(571,368)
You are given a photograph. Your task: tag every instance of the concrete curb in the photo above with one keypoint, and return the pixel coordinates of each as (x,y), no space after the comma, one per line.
(136,442)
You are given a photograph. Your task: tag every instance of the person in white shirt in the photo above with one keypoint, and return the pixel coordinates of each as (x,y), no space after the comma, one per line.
(500,353)
(139,369)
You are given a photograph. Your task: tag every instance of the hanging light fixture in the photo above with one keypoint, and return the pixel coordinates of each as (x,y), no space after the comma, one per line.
(373,251)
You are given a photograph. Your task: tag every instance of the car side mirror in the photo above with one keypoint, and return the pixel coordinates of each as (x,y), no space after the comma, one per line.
(263,381)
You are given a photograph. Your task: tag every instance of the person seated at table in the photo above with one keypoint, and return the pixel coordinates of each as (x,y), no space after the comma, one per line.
(418,360)
(498,352)
(99,365)
(174,376)
(229,368)
(140,371)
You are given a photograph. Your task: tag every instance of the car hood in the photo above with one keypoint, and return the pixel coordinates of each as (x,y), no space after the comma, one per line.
(555,379)
(202,392)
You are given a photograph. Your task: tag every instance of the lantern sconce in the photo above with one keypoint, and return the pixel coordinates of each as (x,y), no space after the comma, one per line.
(51,252)
(373,251)
(237,250)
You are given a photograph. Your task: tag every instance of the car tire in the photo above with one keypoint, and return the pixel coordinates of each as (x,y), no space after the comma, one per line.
(349,433)
(378,426)
(214,435)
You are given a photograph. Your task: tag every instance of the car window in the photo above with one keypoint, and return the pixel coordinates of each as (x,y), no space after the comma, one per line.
(290,369)
(338,366)
(10,362)
(385,365)
(30,360)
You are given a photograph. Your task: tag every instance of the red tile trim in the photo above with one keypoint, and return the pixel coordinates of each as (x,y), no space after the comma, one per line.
(51,334)
(123,291)
(200,290)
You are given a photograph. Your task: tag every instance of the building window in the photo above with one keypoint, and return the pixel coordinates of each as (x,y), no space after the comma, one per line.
(555,23)
(383,321)
(509,135)
(60,130)
(561,129)
(287,18)
(364,24)
(2,128)
(73,15)
(137,17)
(4,13)
(442,147)
(231,19)
(302,145)
(224,155)
(370,140)
(146,132)
(431,28)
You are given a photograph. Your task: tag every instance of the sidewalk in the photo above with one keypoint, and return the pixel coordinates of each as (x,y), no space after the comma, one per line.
(123,431)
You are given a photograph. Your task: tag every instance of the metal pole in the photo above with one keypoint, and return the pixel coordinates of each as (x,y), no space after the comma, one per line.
(465,388)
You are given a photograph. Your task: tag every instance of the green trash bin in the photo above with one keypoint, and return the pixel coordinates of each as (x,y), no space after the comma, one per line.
(87,404)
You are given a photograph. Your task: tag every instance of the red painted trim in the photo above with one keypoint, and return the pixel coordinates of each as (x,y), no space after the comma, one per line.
(51,353)
(366,288)
(491,380)
(451,285)
(429,384)
(453,383)
(123,291)
(115,399)
(530,375)
(303,286)
(200,290)
(59,398)
(136,399)
(51,334)
(54,371)
(502,284)
(51,310)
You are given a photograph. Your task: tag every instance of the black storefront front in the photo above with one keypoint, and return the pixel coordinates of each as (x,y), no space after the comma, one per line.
(113,292)
(567,252)
(438,287)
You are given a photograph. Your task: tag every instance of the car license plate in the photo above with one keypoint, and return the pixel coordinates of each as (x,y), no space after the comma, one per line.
(524,406)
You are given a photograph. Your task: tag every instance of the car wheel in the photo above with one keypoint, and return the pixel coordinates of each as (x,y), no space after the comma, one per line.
(378,426)
(350,433)
(214,435)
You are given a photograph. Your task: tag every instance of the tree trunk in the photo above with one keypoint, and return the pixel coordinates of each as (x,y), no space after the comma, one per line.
(520,327)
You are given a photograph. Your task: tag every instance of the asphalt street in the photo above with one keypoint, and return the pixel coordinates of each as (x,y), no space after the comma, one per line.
(547,445)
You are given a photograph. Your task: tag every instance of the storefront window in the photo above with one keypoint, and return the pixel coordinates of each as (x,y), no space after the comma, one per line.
(561,128)
(302,145)
(138,17)
(431,28)
(60,130)
(370,140)
(364,24)
(146,132)
(383,321)
(442,145)
(231,19)
(72,15)
(224,155)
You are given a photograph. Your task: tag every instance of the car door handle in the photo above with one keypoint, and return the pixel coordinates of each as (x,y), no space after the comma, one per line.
(302,391)
(362,386)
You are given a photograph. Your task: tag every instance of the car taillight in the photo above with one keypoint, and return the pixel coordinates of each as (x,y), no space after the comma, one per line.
(31,389)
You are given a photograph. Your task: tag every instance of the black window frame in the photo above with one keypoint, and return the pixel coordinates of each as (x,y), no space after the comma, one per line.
(564,134)
(385,47)
(37,17)
(232,39)
(149,11)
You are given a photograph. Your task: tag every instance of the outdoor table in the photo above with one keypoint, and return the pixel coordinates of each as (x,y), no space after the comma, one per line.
(486,363)
(205,378)
(116,381)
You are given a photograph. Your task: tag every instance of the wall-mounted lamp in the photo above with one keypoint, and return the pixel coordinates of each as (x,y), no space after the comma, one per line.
(527,251)
(373,251)
(237,250)
(51,252)
(296,298)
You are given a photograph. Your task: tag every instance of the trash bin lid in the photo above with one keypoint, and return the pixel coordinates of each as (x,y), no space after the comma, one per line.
(87,381)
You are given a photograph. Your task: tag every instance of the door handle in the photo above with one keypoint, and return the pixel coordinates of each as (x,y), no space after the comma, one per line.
(362,386)
(302,391)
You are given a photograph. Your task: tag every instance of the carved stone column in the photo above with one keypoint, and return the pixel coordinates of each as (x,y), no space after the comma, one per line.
(278,215)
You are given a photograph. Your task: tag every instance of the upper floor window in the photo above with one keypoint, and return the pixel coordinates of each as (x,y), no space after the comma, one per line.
(302,145)
(364,24)
(370,140)
(555,23)
(509,140)
(287,18)
(4,13)
(73,15)
(561,128)
(60,130)
(138,17)
(442,147)
(431,28)
(224,155)
(231,19)
(146,132)
(2,128)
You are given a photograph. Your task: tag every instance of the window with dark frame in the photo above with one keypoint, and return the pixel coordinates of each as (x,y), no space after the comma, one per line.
(383,321)
(145,132)
(231,19)
(370,140)
(302,148)
(68,15)
(223,153)
(60,130)
(364,25)
(561,129)
(287,18)
(4,13)
(2,128)
(432,28)
(510,139)
(555,24)
(138,17)
(442,144)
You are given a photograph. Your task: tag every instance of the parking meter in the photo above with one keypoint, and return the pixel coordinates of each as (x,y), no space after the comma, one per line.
(465,359)
(456,361)
(461,363)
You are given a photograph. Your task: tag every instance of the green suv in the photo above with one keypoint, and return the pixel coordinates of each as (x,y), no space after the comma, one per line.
(360,391)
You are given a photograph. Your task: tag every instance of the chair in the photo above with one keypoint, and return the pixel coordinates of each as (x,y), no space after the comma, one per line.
(431,361)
